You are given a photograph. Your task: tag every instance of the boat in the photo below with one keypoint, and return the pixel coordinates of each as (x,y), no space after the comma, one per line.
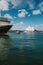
(5,25)
(18,32)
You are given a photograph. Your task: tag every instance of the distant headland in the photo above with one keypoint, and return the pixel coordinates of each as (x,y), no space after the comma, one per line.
(19,31)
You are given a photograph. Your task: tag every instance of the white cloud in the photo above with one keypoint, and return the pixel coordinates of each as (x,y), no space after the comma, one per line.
(22,13)
(16,3)
(29,28)
(31,4)
(41,6)
(22,3)
(38,26)
(41,24)
(17,26)
(29,15)
(19,23)
(8,16)
(36,12)
(12,22)
(4,5)
(15,17)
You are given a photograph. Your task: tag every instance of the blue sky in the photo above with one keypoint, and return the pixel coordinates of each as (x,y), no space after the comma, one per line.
(23,13)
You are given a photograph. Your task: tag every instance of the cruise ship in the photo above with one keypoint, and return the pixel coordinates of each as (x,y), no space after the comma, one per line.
(5,25)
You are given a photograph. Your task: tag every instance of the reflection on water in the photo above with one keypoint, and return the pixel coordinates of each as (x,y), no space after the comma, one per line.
(4,49)
(21,49)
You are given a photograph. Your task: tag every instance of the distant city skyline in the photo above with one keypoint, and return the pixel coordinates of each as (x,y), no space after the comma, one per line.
(23,13)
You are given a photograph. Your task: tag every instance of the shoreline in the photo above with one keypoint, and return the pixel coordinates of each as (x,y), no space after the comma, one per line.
(24,31)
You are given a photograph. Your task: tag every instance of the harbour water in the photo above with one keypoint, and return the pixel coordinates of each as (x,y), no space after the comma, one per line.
(21,49)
